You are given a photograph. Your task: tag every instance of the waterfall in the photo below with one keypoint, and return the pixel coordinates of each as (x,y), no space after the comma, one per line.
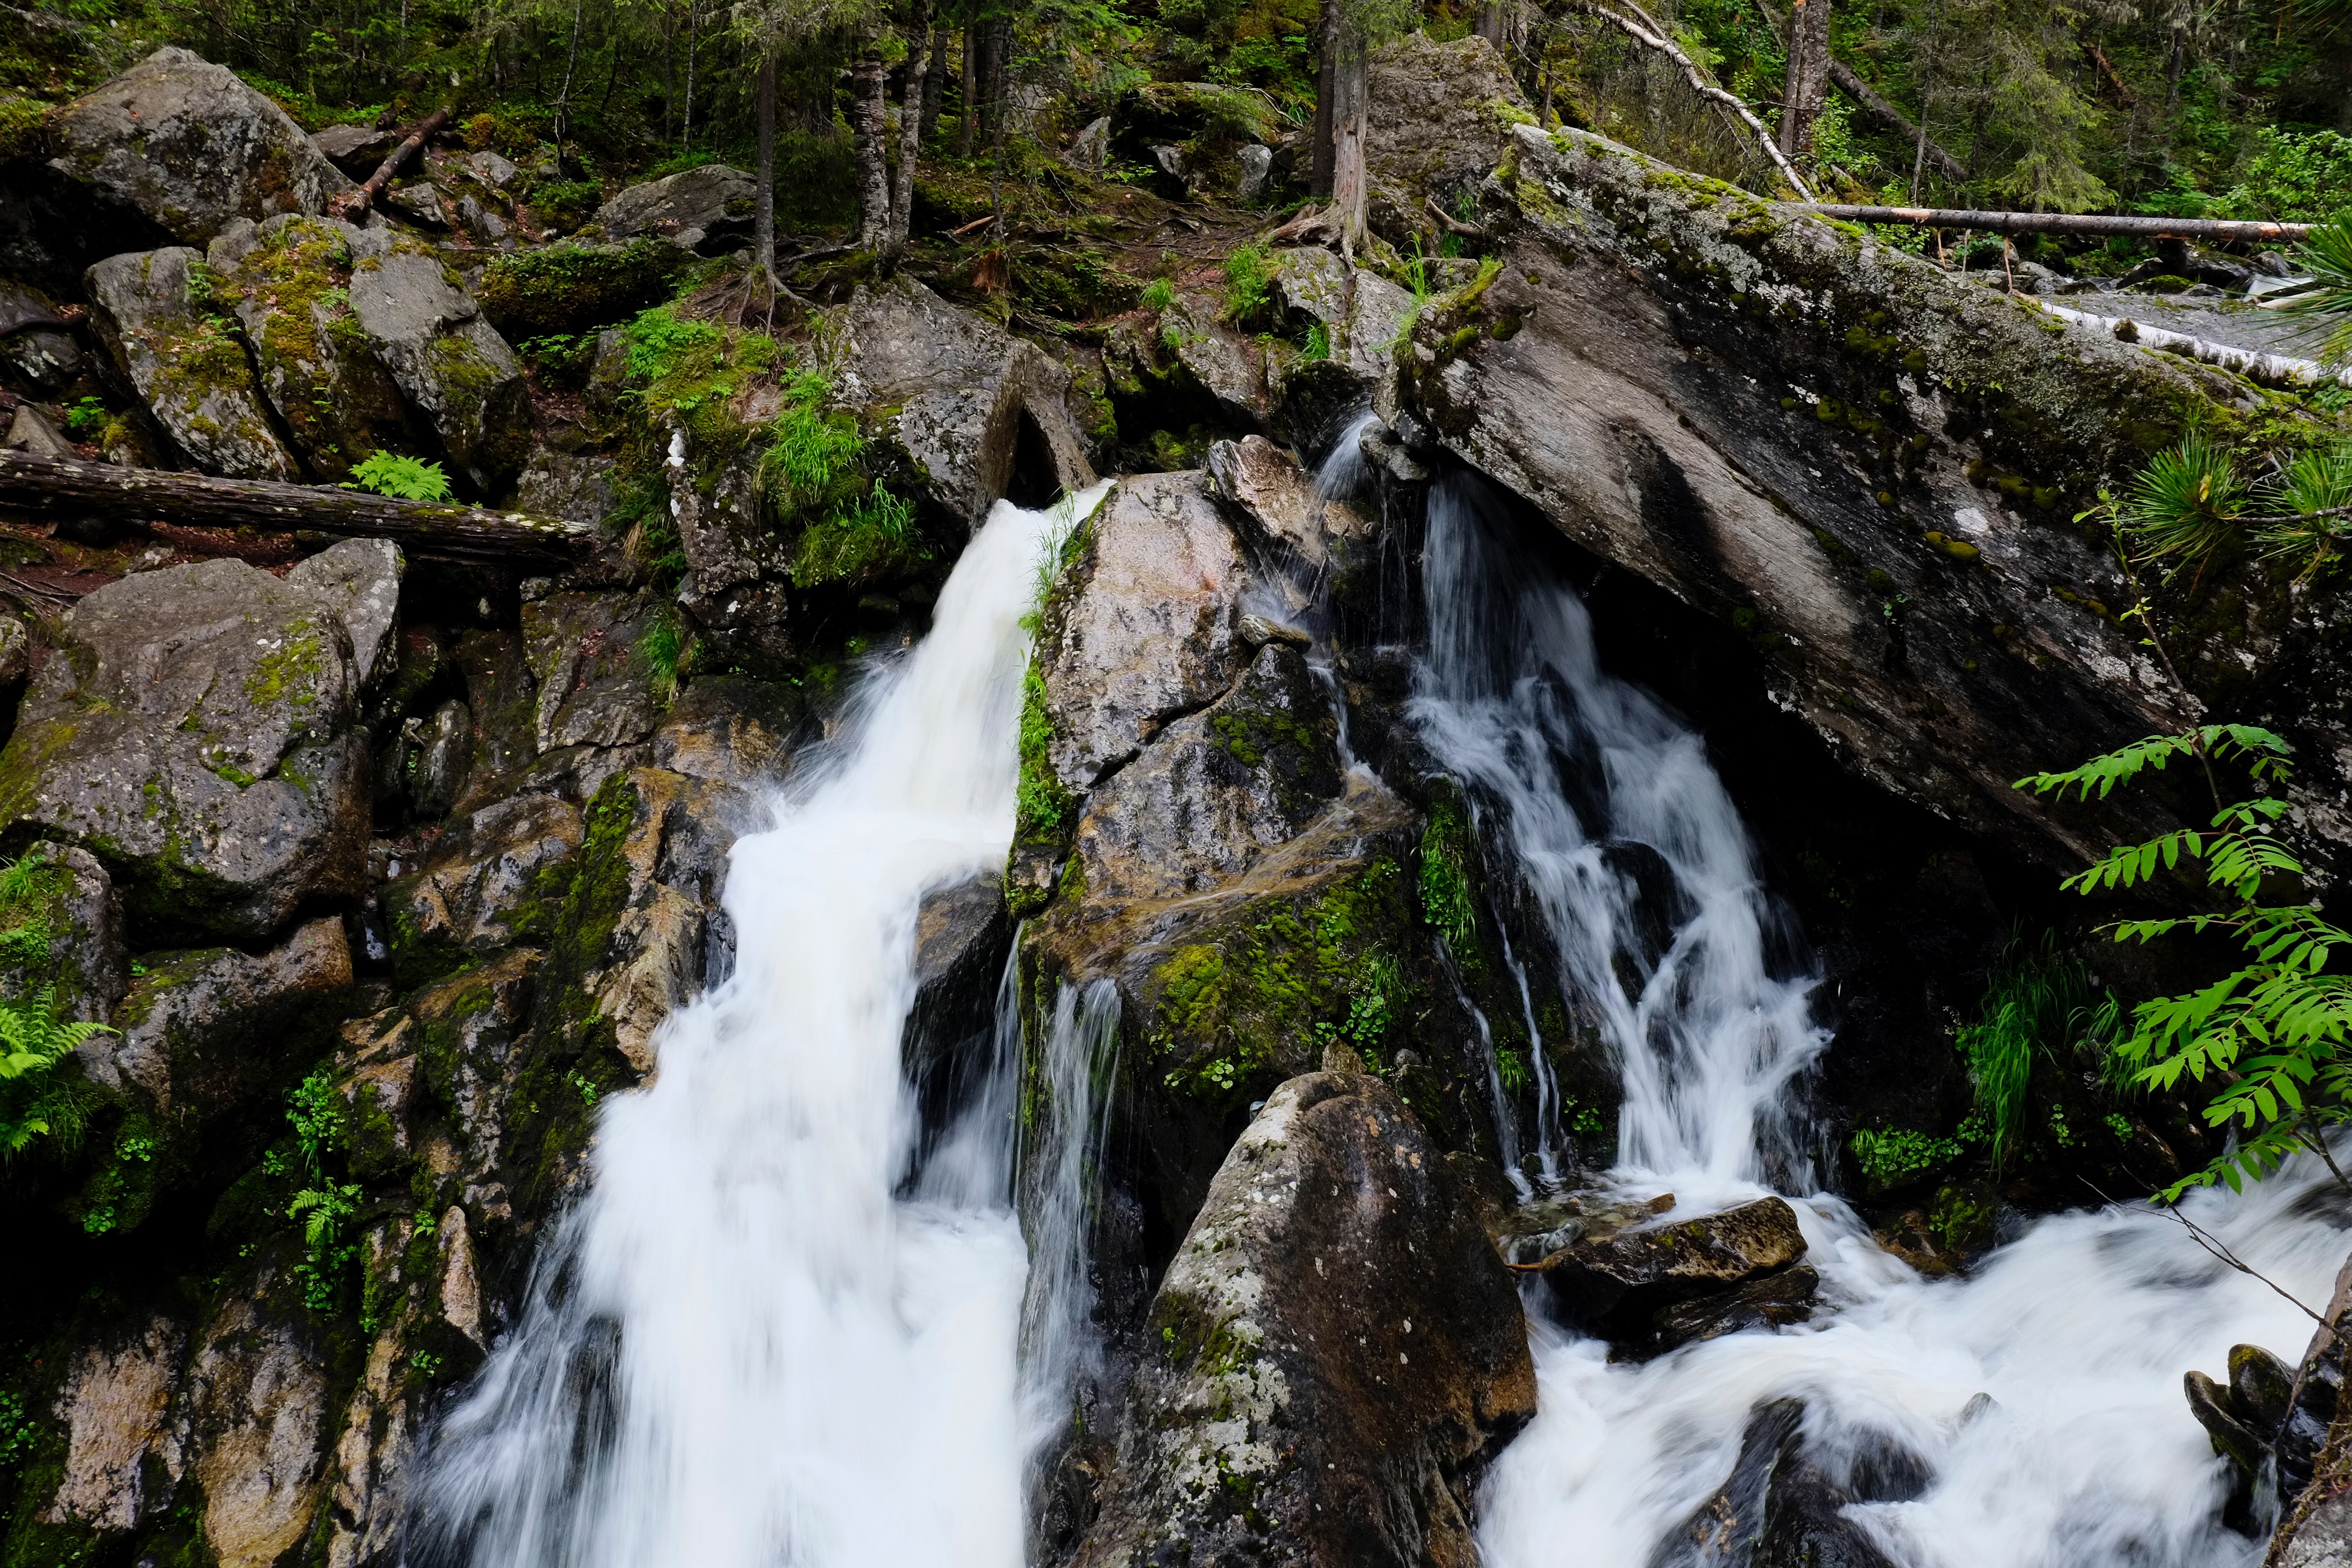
(750,1342)
(1594,782)
(2043,1391)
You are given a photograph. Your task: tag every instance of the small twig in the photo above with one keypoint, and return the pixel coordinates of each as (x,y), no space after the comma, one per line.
(977,223)
(2213,1243)
(46,591)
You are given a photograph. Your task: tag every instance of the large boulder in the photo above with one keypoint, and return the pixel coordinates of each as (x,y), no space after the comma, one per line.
(970,412)
(1150,629)
(1869,474)
(1218,789)
(289,281)
(159,318)
(197,735)
(691,207)
(192,148)
(1336,1352)
(1446,116)
(449,362)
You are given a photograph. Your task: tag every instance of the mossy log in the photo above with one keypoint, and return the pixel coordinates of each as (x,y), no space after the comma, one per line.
(2208,231)
(64,488)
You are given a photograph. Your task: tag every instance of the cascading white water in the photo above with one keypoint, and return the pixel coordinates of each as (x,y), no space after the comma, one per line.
(1511,696)
(2085,1455)
(745,1347)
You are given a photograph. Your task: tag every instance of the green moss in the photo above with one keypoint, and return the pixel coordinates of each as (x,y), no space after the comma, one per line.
(572,288)
(1899,1156)
(1256,995)
(1043,807)
(290,669)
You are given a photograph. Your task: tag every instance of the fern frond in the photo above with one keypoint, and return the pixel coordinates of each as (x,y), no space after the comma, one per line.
(2264,751)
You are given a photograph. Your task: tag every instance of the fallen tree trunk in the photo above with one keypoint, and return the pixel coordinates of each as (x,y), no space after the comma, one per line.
(63,488)
(2211,231)
(355,202)
(1861,92)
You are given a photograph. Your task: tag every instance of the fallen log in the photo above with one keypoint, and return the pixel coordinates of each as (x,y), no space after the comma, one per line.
(353,202)
(64,488)
(1861,92)
(2206,230)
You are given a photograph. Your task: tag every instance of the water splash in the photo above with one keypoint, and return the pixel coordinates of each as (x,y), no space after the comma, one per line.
(742,1347)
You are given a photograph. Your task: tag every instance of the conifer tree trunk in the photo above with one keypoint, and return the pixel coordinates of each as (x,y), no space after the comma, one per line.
(1808,74)
(868,119)
(935,81)
(1327,30)
(969,130)
(1350,91)
(763,201)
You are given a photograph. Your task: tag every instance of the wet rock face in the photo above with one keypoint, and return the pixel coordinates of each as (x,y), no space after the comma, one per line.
(1153,631)
(192,148)
(197,736)
(1335,1352)
(1781,1506)
(969,412)
(1217,789)
(492,879)
(1793,430)
(154,310)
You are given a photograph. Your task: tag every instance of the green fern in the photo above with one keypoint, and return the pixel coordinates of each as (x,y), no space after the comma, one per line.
(403,479)
(2273,1039)
(34,1041)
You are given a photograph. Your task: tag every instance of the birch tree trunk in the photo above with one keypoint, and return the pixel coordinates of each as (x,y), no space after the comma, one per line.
(868,121)
(1808,74)
(911,135)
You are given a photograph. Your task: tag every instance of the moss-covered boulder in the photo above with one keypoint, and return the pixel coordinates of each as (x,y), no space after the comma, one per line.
(449,362)
(197,731)
(160,318)
(492,879)
(569,287)
(966,411)
(288,282)
(1334,1354)
(190,146)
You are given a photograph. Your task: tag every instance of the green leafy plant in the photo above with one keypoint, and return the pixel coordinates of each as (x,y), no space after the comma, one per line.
(87,419)
(2270,1038)
(2035,1000)
(1897,1157)
(1249,285)
(316,1113)
(1319,343)
(2186,505)
(1159,294)
(403,478)
(663,644)
(2326,309)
